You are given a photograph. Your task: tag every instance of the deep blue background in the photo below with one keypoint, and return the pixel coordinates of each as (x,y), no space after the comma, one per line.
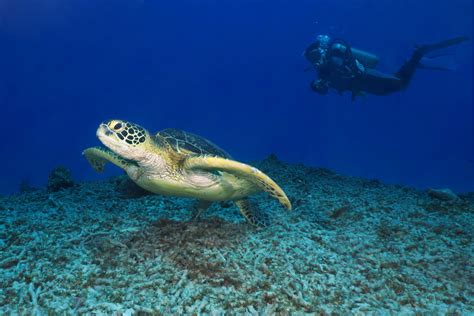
(232,71)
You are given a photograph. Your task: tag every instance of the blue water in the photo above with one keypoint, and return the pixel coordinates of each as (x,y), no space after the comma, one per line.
(232,71)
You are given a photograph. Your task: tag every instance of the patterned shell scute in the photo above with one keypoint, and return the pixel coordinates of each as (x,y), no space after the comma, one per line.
(185,142)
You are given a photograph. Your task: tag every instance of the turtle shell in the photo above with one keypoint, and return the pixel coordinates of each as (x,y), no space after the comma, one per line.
(189,143)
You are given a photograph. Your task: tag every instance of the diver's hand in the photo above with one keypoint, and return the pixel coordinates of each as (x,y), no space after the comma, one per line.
(320,86)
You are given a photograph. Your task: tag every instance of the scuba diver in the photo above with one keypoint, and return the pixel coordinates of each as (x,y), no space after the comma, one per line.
(344,68)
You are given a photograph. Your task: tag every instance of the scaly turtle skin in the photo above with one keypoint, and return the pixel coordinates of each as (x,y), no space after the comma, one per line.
(177,163)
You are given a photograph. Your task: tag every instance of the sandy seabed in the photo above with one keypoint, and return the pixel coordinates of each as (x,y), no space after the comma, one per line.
(350,246)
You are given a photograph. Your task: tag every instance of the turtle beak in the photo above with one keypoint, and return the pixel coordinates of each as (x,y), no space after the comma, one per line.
(104,129)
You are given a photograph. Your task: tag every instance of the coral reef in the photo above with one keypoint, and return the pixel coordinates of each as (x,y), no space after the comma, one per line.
(350,245)
(59,178)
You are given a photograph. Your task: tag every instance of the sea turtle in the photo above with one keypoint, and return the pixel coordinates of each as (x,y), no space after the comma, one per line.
(178,163)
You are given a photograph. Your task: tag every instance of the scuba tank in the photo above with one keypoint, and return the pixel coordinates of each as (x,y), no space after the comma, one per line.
(369,60)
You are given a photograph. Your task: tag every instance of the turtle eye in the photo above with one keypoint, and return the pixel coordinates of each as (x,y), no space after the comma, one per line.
(117,126)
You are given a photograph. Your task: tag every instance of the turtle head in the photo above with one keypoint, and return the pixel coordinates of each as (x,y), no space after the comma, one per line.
(126,139)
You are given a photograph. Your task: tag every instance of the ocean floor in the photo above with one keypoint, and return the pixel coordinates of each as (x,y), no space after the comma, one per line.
(350,246)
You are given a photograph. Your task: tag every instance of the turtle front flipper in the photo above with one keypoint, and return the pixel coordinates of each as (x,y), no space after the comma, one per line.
(253,213)
(242,170)
(98,158)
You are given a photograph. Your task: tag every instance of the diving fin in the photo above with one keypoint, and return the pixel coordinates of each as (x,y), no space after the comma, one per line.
(429,58)
(425,49)
(440,62)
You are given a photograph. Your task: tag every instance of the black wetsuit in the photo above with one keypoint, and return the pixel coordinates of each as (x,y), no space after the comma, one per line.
(343,72)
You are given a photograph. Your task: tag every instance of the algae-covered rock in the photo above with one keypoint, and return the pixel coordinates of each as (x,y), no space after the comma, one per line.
(25,186)
(443,194)
(59,178)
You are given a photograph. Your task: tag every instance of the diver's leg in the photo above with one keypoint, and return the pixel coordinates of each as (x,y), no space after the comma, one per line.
(378,83)
(407,70)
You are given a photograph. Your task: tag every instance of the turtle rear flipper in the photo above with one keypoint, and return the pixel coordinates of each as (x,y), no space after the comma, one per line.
(242,170)
(198,208)
(253,213)
(98,158)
